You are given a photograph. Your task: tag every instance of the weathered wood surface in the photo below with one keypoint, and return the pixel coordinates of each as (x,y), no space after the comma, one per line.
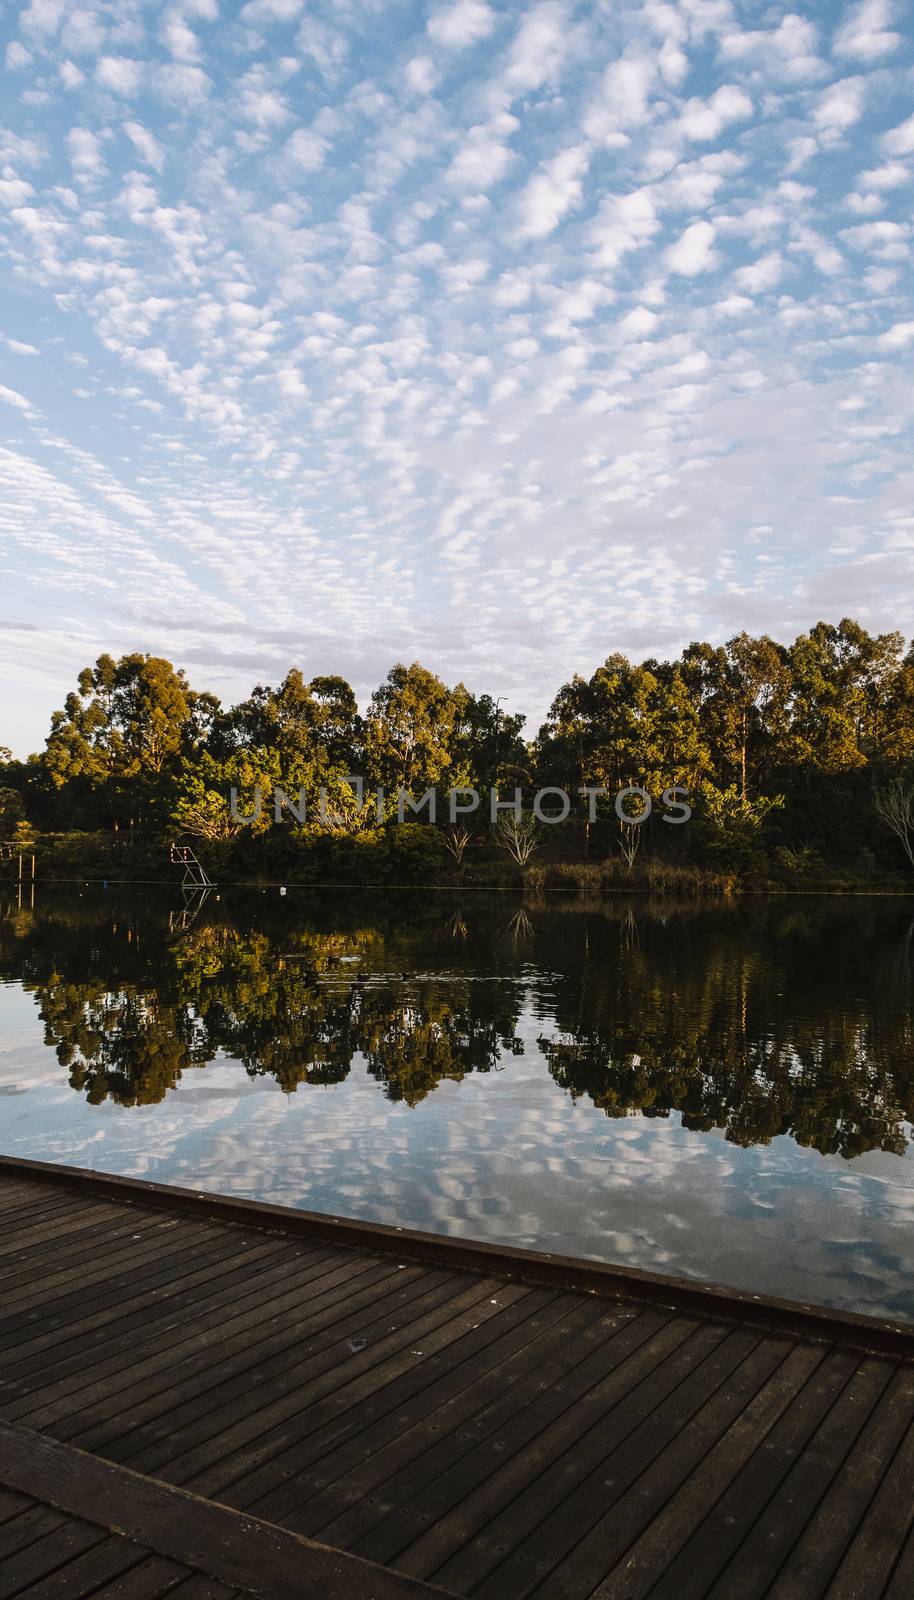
(485,1422)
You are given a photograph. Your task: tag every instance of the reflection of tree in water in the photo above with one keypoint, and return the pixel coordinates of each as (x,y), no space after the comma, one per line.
(122,1044)
(413,1043)
(292,1006)
(811,1035)
(758,1020)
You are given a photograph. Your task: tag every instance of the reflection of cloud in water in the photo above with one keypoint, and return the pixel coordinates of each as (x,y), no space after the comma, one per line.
(545,1152)
(511,1159)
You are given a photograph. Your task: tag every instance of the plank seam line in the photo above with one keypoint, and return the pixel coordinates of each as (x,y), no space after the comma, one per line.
(828,1484)
(600,1422)
(776,1484)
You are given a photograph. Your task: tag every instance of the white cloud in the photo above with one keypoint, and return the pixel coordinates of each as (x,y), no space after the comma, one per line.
(182,85)
(71,76)
(17,57)
(553,191)
(706,119)
(483,159)
(119,74)
(624,223)
(271,10)
(693,251)
(760,275)
(307,149)
(146,145)
(42,16)
(623,99)
(14,191)
(538,49)
(899,141)
(840,106)
(421,74)
(85,154)
(898,337)
(462,24)
(638,322)
(10,397)
(865,34)
(788,51)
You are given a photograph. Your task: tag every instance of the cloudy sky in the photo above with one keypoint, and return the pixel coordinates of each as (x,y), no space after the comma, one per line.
(497,335)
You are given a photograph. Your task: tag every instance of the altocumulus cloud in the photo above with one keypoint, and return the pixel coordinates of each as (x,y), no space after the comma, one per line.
(502,335)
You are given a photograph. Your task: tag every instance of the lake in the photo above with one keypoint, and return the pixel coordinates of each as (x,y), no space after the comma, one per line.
(721,1091)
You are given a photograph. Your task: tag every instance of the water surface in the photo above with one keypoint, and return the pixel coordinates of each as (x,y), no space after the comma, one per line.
(722,1092)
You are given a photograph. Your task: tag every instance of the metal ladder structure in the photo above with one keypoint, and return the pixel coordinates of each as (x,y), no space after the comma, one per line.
(195,876)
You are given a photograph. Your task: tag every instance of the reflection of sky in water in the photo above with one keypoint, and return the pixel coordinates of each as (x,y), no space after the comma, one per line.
(506,1156)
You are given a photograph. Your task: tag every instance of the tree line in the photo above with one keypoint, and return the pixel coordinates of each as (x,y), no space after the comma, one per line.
(783,747)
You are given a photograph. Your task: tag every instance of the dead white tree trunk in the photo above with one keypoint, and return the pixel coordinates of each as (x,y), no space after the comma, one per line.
(519,836)
(895,809)
(629,840)
(456,840)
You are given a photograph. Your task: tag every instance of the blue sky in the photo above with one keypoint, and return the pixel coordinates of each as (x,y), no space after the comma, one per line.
(500,336)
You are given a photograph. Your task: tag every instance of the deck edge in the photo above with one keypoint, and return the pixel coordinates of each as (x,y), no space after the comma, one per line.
(530,1266)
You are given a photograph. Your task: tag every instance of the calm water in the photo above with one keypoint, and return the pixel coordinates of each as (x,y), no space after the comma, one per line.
(716,1092)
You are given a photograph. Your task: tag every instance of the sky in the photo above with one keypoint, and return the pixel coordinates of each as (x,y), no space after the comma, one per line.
(497,336)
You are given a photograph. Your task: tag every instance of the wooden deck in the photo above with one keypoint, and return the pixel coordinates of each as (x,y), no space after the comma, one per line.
(210,1398)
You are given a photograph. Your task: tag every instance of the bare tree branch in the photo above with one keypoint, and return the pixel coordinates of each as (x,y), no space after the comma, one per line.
(894,807)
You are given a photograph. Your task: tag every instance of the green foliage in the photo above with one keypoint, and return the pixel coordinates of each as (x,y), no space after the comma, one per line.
(12,811)
(782,747)
(203,788)
(729,825)
(412,723)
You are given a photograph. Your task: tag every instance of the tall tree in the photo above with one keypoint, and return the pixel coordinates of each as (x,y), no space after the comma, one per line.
(411,728)
(127,724)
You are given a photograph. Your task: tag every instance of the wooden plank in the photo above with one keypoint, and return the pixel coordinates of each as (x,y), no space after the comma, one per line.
(155,1388)
(554,1509)
(331,1495)
(901,1584)
(210,1307)
(336,1312)
(668,1502)
(26,1528)
(109,1273)
(690,1573)
(324,1407)
(11,1504)
(227,1545)
(61,1256)
(427,1514)
(463,1353)
(53,1226)
(796,1318)
(244,1418)
(43,1556)
(113,1557)
(97,1319)
(19,1339)
(150,1578)
(871,1556)
(814,1557)
(187,1279)
(42,1207)
(766,1546)
(150,1582)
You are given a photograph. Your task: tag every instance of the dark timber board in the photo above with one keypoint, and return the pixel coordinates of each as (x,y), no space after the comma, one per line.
(210,1398)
